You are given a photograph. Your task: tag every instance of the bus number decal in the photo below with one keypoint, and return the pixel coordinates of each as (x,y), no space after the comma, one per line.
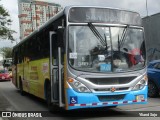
(73,55)
(105,67)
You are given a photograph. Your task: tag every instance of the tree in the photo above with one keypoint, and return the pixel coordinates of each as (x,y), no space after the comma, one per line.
(5,22)
(7,52)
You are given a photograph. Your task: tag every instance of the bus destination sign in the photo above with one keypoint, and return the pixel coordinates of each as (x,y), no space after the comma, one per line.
(103,15)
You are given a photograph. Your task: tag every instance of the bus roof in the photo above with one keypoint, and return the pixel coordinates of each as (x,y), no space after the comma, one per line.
(66,11)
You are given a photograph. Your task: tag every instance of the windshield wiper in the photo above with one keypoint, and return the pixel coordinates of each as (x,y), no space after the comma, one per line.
(97,34)
(106,44)
(118,44)
(122,40)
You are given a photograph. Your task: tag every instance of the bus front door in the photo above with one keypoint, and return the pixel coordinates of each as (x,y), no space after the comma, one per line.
(55,70)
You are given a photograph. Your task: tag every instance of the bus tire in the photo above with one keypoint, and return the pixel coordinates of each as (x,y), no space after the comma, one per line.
(21,88)
(152,90)
(51,107)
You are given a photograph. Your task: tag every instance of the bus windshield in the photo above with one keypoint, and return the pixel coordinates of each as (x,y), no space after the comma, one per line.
(106,49)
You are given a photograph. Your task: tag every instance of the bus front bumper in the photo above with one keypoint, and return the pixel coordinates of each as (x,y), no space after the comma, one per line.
(77,100)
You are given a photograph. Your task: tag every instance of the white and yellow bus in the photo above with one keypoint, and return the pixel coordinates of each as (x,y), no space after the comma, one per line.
(84,57)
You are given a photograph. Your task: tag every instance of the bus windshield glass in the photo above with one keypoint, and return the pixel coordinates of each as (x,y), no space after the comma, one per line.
(106,49)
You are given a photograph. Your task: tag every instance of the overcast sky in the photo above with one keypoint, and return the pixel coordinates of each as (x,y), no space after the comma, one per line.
(135,5)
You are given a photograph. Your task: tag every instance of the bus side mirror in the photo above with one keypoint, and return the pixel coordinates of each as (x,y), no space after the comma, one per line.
(60,37)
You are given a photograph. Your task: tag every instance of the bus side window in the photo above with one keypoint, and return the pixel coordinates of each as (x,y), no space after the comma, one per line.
(33,48)
(15,57)
(54,46)
(39,46)
(45,42)
(26,51)
(60,37)
(20,54)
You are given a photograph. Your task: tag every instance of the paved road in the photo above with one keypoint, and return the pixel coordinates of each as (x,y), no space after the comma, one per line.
(11,100)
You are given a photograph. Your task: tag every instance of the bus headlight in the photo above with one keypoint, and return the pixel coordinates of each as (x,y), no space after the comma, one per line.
(78,86)
(141,84)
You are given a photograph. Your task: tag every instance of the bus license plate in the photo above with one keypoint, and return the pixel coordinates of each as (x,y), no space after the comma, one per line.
(140,97)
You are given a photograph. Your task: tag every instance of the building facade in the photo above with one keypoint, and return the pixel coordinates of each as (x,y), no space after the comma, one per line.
(34,13)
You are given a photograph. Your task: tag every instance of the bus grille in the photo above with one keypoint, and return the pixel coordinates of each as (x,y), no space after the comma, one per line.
(109,89)
(111,97)
(111,81)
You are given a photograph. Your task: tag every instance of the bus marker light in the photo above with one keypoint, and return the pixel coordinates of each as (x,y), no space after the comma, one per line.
(70,80)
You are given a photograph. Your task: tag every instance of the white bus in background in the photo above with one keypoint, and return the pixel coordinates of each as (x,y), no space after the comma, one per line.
(7,63)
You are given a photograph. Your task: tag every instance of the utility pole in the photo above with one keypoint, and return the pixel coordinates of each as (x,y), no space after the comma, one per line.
(147,7)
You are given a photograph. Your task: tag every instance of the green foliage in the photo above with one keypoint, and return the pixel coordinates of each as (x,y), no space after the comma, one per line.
(5,22)
(7,52)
